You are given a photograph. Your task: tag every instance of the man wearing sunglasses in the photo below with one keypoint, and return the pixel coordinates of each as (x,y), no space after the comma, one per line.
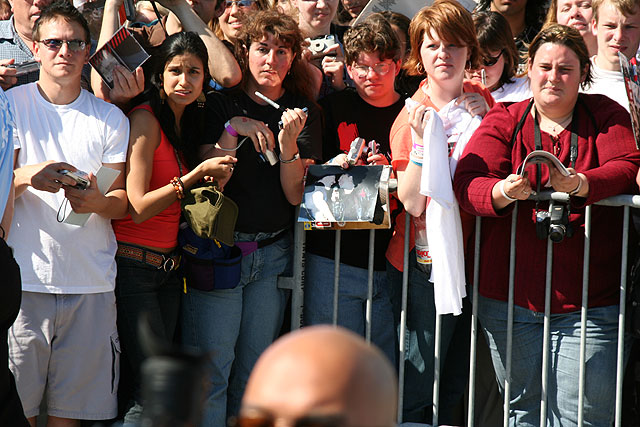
(65,338)
(320,376)
(16,42)
(186,15)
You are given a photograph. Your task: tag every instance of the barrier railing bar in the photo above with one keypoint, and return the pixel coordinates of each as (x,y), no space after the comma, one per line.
(436,369)
(622,315)
(297,289)
(583,313)
(474,326)
(546,333)
(336,276)
(512,276)
(403,316)
(372,241)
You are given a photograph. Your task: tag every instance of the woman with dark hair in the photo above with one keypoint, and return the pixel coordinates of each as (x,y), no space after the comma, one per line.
(236,325)
(443,47)
(591,136)
(499,59)
(163,162)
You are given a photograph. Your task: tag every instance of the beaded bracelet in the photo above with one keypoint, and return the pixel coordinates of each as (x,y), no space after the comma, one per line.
(178,186)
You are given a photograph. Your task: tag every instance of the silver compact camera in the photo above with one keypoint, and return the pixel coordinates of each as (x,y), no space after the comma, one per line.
(25,67)
(355,151)
(318,45)
(81,178)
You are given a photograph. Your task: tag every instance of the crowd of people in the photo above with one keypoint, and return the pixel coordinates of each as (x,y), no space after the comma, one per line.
(246,94)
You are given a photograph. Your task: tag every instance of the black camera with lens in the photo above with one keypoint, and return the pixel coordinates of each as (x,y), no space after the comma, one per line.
(553,223)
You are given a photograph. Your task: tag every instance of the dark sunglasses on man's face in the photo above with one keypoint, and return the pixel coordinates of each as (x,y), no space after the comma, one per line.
(56,44)
(490,61)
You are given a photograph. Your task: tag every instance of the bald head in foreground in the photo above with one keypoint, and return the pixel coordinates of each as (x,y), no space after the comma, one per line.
(328,376)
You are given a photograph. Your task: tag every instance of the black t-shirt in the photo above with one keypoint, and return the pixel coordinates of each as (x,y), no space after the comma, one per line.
(347,116)
(255,185)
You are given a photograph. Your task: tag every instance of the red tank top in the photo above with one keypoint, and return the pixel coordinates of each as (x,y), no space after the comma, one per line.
(161,230)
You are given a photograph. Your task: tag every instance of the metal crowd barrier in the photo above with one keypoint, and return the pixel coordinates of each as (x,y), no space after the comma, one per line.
(296,284)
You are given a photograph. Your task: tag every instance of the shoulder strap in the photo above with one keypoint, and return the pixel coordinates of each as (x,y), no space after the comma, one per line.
(521,123)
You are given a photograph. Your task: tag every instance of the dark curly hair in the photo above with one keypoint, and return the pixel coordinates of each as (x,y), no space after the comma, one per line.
(374,34)
(285,29)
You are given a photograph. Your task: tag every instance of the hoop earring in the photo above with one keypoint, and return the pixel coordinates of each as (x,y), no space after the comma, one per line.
(162,95)
(201,100)
(420,68)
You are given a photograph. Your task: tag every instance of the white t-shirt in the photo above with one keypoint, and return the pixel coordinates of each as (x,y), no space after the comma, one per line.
(517,91)
(55,257)
(609,83)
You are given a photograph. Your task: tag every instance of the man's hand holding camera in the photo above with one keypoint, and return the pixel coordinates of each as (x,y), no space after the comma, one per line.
(7,74)
(88,200)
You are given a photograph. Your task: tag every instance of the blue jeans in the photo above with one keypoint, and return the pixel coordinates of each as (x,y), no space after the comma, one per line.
(352,301)
(564,362)
(236,325)
(142,288)
(419,340)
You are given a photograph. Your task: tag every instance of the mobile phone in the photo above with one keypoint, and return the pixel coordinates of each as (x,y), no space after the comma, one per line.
(355,151)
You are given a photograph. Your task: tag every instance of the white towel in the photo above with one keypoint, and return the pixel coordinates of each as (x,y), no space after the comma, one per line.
(444,230)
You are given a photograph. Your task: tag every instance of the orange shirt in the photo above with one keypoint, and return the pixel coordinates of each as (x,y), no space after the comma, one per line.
(401,145)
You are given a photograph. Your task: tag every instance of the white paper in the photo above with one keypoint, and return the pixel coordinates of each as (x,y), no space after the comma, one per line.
(406,7)
(105,177)
(541,156)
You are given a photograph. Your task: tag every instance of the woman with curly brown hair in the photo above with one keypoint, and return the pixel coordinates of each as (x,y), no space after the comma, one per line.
(235,325)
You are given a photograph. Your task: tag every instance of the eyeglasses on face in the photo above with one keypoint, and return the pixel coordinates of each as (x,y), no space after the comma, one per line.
(264,419)
(490,61)
(381,69)
(56,44)
(240,3)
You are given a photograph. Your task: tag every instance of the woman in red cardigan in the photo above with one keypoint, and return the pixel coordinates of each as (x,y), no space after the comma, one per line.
(592,136)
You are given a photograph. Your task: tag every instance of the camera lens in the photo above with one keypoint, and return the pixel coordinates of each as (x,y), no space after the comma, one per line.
(557,232)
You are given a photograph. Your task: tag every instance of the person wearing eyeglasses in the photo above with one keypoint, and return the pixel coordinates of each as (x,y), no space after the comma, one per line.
(68,271)
(16,41)
(320,376)
(229,23)
(499,59)
(372,52)
(443,47)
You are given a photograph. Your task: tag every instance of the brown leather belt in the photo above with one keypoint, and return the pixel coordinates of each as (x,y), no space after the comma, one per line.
(147,256)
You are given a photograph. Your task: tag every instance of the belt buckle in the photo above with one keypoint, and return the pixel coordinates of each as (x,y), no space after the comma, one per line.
(168,264)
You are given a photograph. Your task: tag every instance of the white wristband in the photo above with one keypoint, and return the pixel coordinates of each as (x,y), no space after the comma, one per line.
(578,188)
(504,193)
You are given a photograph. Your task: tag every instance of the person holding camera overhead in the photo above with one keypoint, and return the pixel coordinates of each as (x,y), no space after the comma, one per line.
(272,140)
(163,162)
(591,135)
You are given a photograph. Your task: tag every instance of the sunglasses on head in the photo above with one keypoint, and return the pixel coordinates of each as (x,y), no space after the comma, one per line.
(240,3)
(56,44)
(490,61)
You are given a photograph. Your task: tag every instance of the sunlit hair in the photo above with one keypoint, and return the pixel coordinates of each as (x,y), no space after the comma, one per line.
(627,7)
(286,31)
(564,36)
(400,21)
(61,9)
(215,24)
(494,34)
(451,22)
(374,34)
